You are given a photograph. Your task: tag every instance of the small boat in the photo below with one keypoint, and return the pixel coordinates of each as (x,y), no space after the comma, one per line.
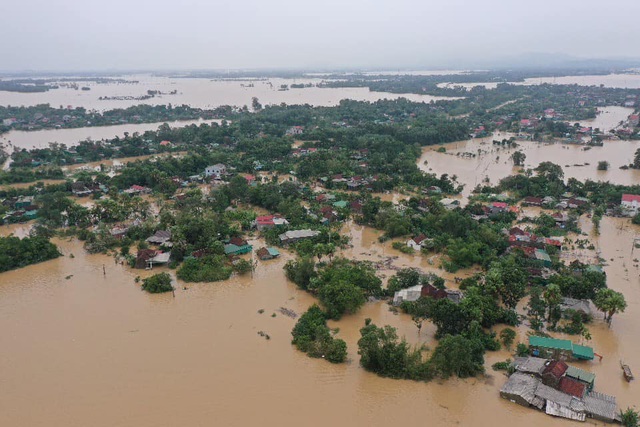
(626,371)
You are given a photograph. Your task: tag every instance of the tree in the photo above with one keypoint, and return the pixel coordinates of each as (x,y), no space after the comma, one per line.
(382,352)
(518,158)
(550,171)
(603,165)
(552,297)
(458,355)
(312,336)
(609,302)
(507,336)
(255,103)
(341,298)
(157,283)
(636,160)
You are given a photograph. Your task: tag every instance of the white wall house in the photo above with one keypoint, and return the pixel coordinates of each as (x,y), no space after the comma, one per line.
(630,204)
(215,170)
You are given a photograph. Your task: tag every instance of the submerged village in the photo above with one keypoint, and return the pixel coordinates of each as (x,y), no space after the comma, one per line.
(503,279)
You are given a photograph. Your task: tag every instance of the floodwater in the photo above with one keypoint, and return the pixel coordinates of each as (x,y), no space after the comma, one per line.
(199,92)
(630,81)
(83,348)
(81,344)
(493,163)
(42,138)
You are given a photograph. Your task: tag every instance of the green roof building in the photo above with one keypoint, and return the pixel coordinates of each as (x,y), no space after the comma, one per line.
(231,249)
(340,204)
(552,348)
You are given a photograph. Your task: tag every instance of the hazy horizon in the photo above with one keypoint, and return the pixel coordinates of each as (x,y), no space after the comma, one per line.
(66,35)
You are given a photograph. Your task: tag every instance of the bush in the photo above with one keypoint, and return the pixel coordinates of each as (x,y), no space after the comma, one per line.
(403,248)
(157,283)
(210,268)
(501,366)
(522,350)
(242,266)
(507,336)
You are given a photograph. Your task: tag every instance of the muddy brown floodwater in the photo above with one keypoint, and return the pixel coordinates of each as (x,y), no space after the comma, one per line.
(477,160)
(82,348)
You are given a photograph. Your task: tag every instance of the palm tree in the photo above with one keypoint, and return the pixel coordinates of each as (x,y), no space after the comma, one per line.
(609,302)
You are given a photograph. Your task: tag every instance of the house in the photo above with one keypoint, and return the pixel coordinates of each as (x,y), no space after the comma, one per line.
(295,130)
(417,242)
(137,189)
(267,253)
(159,258)
(450,204)
(532,201)
(119,231)
(553,372)
(630,204)
(558,349)
(530,365)
(79,189)
(216,171)
(578,374)
(407,294)
(431,291)
(634,120)
(143,257)
(521,388)
(297,235)
(542,256)
(582,306)
(24,202)
(568,401)
(269,221)
(237,246)
(434,189)
(341,204)
(161,237)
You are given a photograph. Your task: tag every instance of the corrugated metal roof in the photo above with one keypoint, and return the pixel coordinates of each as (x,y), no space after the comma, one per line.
(564,412)
(530,365)
(522,385)
(582,352)
(581,375)
(601,405)
(538,341)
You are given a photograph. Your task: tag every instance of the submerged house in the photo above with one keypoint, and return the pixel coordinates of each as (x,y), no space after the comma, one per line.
(558,349)
(297,235)
(417,242)
(161,237)
(570,400)
(265,254)
(237,246)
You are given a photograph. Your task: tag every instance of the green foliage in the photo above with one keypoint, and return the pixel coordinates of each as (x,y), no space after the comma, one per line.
(610,302)
(340,298)
(300,271)
(382,352)
(211,268)
(630,417)
(400,246)
(458,355)
(501,366)
(522,350)
(507,336)
(18,253)
(242,266)
(404,278)
(603,165)
(312,336)
(157,283)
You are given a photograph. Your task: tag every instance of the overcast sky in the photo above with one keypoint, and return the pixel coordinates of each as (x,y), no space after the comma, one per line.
(45,35)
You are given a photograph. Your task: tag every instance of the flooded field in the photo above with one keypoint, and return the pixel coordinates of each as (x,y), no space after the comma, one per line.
(478,161)
(70,137)
(203,93)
